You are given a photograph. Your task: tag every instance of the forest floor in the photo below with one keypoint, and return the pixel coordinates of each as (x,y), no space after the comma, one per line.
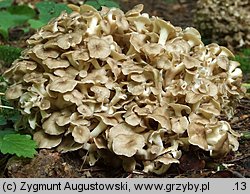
(49,163)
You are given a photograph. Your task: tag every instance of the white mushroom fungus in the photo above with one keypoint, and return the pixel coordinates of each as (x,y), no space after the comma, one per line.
(50,127)
(127,86)
(14,92)
(127,145)
(63,85)
(98,48)
(81,134)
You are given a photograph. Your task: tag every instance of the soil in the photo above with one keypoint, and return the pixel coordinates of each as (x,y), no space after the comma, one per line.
(50,163)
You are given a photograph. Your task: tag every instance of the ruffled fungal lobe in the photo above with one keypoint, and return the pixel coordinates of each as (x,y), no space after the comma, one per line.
(125,85)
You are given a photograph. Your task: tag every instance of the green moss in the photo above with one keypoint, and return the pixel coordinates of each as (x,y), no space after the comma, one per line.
(243,58)
(8,54)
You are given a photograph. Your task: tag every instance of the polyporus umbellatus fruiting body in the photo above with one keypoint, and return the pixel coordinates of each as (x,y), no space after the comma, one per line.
(125,85)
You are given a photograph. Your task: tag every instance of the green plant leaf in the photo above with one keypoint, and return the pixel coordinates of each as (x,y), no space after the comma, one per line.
(6,3)
(247,85)
(21,145)
(9,20)
(243,57)
(246,135)
(101,2)
(246,52)
(111,4)
(3,133)
(108,3)
(22,10)
(94,4)
(14,16)
(35,23)
(49,9)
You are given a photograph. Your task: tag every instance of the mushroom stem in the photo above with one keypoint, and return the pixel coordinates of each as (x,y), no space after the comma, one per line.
(158,141)
(7,107)
(96,64)
(163,36)
(118,96)
(98,129)
(39,89)
(169,75)
(162,169)
(192,43)
(145,154)
(2,94)
(92,26)
(92,159)
(89,147)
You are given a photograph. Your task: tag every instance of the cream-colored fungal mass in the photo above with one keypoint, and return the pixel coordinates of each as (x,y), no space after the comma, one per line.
(125,87)
(224,21)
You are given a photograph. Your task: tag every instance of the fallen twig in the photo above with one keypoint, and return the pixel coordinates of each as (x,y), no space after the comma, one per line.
(239,158)
(7,107)
(91,169)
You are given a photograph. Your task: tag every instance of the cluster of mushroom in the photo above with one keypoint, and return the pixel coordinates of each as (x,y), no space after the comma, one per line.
(127,87)
(226,21)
